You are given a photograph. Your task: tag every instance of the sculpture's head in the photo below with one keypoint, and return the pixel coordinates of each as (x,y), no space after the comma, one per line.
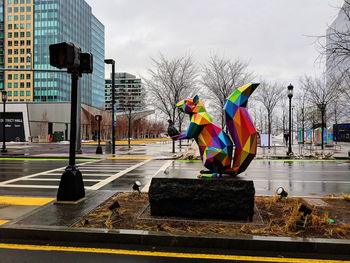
(191,105)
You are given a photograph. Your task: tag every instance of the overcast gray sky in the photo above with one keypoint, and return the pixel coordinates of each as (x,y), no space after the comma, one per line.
(270,34)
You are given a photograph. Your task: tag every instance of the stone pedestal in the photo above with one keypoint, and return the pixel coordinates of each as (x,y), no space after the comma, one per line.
(205,198)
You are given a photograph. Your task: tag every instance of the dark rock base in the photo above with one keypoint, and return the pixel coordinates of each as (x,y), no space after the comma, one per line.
(224,198)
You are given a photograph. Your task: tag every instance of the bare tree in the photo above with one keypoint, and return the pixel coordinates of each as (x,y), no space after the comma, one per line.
(170,81)
(221,76)
(302,104)
(269,94)
(320,93)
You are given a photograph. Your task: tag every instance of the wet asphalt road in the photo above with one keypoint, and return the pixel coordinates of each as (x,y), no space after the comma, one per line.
(299,178)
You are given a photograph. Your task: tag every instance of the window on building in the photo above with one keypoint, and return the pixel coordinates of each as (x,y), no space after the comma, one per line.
(9,35)
(29,59)
(15,18)
(15,85)
(29,9)
(15,43)
(9,51)
(9,60)
(15,99)
(15,1)
(21,34)
(28,42)
(29,25)
(16,76)
(21,76)
(15,26)
(27,77)
(29,17)
(15,34)
(21,26)
(21,93)
(15,93)
(9,26)
(9,2)
(9,76)
(29,51)
(22,17)
(10,18)
(28,34)
(9,10)
(22,1)
(28,93)
(9,93)
(28,85)
(28,1)
(21,85)
(16,10)
(22,42)
(15,59)
(9,85)
(22,9)
(22,51)
(9,43)
(22,60)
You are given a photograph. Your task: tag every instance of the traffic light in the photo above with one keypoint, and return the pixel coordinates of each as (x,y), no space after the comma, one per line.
(69,56)
(65,55)
(86,63)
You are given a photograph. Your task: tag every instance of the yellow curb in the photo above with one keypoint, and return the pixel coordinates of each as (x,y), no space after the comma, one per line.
(19,200)
(129,158)
(165,254)
(2,222)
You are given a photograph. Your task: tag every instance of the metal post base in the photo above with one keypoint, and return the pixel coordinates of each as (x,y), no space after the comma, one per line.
(99,150)
(71,185)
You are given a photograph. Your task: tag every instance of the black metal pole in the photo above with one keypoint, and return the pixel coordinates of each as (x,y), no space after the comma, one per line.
(322,128)
(99,133)
(129,128)
(113,103)
(71,188)
(4,150)
(290,126)
(73,119)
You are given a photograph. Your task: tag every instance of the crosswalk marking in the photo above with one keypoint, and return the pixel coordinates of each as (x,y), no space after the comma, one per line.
(117,175)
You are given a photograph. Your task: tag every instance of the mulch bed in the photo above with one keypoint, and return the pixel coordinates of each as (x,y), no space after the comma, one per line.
(279,218)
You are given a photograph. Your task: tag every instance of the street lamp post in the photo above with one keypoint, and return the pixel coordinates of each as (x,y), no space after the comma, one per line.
(112,62)
(4,99)
(290,96)
(98,118)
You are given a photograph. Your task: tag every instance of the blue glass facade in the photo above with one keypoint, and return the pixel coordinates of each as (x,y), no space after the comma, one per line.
(98,52)
(71,21)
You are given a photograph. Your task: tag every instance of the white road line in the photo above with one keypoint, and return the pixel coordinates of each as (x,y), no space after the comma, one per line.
(95,170)
(117,175)
(56,180)
(105,175)
(161,169)
(33,175)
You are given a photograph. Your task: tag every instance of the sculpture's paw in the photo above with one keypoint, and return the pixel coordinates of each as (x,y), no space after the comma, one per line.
(211,175)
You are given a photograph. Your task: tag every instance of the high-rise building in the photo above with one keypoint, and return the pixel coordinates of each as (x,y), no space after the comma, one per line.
(129,92)
(336,36)
(29,28)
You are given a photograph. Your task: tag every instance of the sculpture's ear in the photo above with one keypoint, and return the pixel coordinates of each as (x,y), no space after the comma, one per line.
(196,99)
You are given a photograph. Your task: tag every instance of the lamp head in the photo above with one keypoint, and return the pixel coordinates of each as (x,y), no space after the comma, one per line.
(110,61)
(290,91)
(281,192)
(4,96)
(137,186)
(98,117)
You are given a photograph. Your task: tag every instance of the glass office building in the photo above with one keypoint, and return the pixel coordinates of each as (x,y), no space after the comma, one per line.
(98,52)
(54,21)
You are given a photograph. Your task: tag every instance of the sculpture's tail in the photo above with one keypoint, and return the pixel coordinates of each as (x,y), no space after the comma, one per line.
(241,127)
